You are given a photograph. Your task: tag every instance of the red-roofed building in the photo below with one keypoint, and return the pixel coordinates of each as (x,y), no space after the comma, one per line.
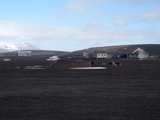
(131,53)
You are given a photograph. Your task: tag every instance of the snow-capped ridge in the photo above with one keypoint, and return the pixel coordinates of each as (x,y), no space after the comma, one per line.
(6,47)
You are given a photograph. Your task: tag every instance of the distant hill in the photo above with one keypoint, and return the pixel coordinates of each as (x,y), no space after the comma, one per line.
(10,49)
(152,49)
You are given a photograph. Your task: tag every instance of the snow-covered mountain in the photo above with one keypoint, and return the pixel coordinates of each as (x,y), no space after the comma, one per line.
(6,47)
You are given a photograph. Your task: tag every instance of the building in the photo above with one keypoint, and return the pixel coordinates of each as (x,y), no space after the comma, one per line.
(6,60)
(24,53)
(53,58)
(131,53)
(141,53)
(85,55)
(101,55)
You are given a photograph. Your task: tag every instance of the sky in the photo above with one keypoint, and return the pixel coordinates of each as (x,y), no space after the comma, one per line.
(69,25)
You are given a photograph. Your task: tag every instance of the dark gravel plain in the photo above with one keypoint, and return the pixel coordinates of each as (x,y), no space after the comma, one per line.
(127,92)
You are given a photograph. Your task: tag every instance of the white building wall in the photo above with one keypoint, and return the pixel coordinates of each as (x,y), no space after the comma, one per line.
(101,55)
(86,55)
(142,54)
(24,53)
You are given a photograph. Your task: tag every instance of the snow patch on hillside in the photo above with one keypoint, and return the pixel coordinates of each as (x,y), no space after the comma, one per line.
(5,47)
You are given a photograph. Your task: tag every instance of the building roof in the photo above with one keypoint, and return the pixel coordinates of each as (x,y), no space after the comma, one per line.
(129,51)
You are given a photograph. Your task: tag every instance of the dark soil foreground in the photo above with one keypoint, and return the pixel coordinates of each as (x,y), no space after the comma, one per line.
(117,93)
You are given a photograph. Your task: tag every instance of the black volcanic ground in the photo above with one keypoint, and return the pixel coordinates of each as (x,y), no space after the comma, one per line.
(127,92)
